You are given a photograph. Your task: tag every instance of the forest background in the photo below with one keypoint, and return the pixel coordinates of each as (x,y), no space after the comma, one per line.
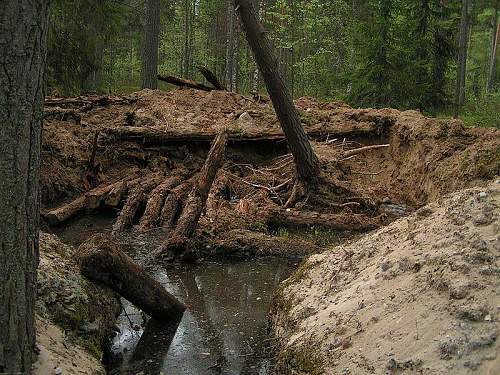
(369,53)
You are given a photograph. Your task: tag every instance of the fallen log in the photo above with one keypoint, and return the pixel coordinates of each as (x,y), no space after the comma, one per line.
(181,82)
(102,261)
(196,201)
(62,114)
(151,215)
(137,196)
(65,212)
(341,222)
(244,243)
(173,204)
(91,200)
(212,78)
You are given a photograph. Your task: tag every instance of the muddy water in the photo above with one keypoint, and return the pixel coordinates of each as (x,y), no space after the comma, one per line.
(223,331)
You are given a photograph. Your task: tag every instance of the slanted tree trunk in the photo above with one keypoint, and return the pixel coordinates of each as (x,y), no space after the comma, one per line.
(102,261)
(151,40)
(306,162)
(23,26)
(495,37)
(462,58)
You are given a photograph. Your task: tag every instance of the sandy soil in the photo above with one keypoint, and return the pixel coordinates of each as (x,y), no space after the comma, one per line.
(420,296)
(59,355)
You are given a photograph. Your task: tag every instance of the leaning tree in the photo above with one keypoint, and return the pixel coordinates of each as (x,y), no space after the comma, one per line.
(23,26)
(306,162)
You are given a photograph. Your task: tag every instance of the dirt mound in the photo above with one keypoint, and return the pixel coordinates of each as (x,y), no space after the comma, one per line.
(418,296)
(148,136)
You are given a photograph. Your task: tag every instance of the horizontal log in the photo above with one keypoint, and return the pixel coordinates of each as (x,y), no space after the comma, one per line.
(102,261)
(61,214)
(340,222)
(242,243)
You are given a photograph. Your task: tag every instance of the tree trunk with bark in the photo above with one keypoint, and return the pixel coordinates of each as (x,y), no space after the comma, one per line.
(495,38)
(196,201)
(306,162)
(462,58)
(23,26)
(102,261)
(151,40)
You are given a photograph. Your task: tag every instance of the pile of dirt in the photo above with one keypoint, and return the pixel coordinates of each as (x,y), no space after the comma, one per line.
(419,296)
(71,311)
(150,135)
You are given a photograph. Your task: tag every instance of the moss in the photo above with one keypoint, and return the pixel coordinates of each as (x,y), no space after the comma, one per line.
(299,360)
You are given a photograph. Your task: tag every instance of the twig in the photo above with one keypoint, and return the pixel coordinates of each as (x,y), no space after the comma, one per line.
(360,150)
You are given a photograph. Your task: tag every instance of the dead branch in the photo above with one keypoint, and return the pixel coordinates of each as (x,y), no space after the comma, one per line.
(357,151)
(181,82)
(212,78)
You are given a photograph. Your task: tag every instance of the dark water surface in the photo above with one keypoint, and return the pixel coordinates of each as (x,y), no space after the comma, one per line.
(224,329)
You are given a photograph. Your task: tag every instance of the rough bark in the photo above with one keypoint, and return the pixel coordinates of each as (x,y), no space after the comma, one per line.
(181,82)
(151,40)
(137,196)
(151,216)
(102,261)
(306,162)
(65,212)
(241,243)
(197,198)
(173,204)
(23,26)
(110,195)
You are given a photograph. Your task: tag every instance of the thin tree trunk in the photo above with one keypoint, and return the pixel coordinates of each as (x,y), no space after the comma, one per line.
(185,60)
(151,41)
(306,162)
(230,45)
(495,36)
(462,58)
(23,26)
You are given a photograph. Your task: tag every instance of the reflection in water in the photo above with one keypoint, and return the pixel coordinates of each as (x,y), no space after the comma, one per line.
(222,332)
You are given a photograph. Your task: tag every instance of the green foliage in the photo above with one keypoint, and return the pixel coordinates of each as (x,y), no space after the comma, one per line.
(369,52)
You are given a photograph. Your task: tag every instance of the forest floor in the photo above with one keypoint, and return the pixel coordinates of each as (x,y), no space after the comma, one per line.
(99,151)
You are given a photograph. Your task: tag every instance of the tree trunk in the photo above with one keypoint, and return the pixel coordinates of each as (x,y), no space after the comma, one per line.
(102,261)
(196,201)
(23,26)
(462,58)
(151,40)
(495,36)
(306,162)
(230,45)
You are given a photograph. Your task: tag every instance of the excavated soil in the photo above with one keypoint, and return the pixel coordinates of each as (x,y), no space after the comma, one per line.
(154,133)
(417,296)
(420,296)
